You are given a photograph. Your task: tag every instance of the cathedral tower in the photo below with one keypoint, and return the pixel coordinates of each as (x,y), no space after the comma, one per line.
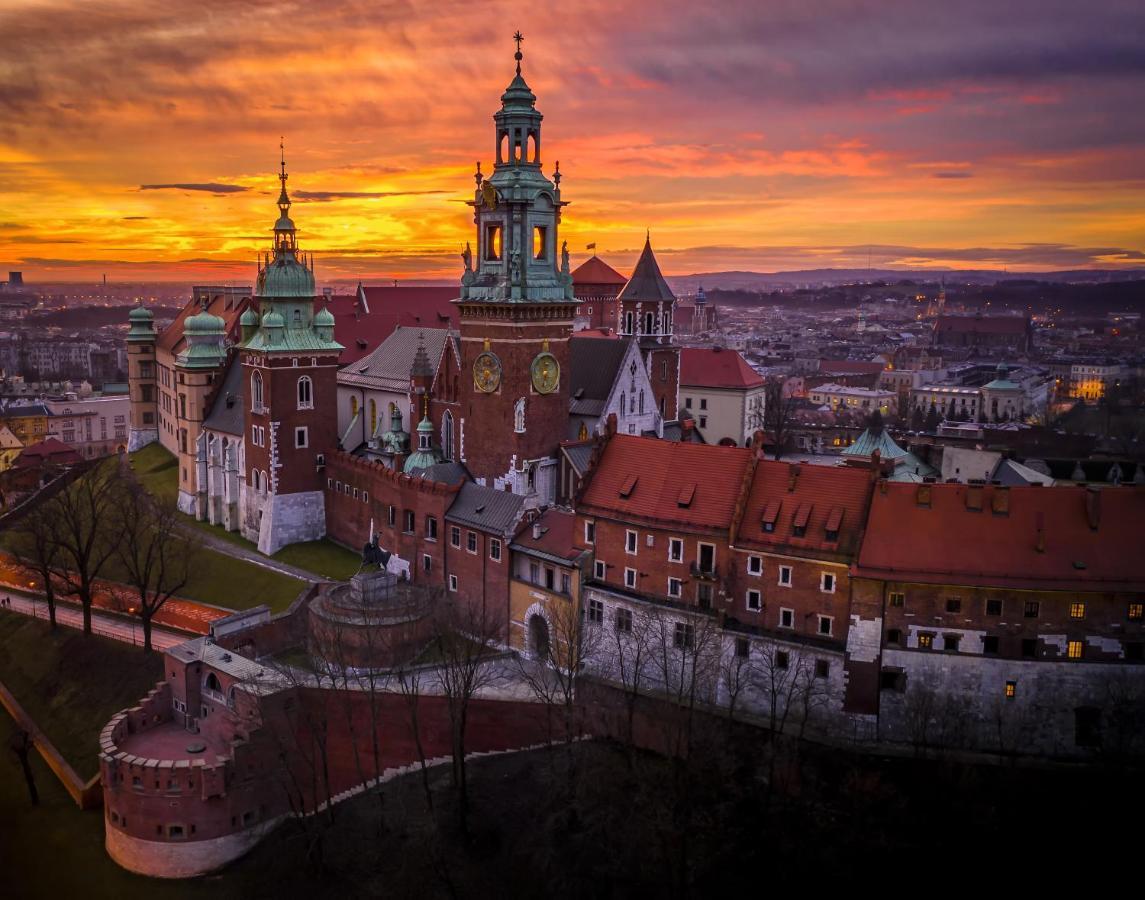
(647,313)
(290,361)
(141,376)
(516,311)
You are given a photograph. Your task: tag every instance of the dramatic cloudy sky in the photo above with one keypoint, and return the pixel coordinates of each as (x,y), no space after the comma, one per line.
(141,138)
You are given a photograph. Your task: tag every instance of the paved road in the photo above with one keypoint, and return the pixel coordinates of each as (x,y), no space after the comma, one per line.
(108,626)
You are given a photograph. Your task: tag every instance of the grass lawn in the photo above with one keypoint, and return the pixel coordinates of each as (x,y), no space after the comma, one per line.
(71,684)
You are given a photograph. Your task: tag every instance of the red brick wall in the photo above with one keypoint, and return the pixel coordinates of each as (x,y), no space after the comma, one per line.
(803,597)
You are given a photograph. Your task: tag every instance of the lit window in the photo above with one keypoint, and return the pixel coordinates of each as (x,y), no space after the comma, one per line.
(1011,690)
(1077,610)
(1074,650)
(1136,611)
(925,641)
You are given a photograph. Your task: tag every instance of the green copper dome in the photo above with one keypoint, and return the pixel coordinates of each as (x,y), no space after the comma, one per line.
(249,318)
(204,323)
(141,314)
(324,319)
(286,277)
(425,456)
(273,319)
(142,324)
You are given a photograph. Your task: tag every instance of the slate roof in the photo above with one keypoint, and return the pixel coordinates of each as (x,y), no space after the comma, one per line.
(226,413)
(646,283)
(388,366)
(579,455)
(643,479)
(595,270)
(445,472)
(486,509)
(1089,541)
(818,498)
(716,367)
(594,364)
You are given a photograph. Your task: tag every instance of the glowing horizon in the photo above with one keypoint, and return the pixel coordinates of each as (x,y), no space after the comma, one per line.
(795,136)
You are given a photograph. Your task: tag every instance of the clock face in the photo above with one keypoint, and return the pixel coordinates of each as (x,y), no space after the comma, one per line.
(487,372)
(546,373)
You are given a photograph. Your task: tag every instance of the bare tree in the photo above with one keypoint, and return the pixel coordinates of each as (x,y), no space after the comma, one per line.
(154,553)
(21,744)
(464,638)
(85,535)
(37,551)
(778,414)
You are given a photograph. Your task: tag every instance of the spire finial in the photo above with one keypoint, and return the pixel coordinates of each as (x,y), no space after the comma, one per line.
(518,37)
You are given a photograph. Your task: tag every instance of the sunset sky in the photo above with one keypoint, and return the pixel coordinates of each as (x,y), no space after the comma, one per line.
(141,139)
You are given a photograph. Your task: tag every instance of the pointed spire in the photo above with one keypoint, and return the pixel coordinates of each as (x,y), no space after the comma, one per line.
(518,37)
(647,283)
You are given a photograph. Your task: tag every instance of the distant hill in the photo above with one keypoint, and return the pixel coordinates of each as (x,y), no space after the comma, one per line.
(771,281)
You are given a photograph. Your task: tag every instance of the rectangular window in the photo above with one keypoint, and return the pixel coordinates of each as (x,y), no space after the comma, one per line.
(894,636)
(822,668)
(685,636)
(623,620)
(391,516)
(596,611)
(1136,612)
(787,618)
(706,558)
(598,569)
(430,528)
(953,604)
(426,562)
(454,535)
(495,549)
(703,403)
(825,625)
(1032,609)
(703,421)
(1077,610)
(827,583)
(566,583)
(743,647)
(1074,650)
(755,565)
(675,550)
(550,579)
(630,541)
(993,607)
(1029,647)
(630,578)
(898,599)
(925,641)
(300,437)
(471,541)
(1011,690)
(704,596)
(534,573)
(409,521)
(675,587)
(782,659)
(754,601)
(951,641)
(453,582)
(590,532)
(990,644)
(785,576)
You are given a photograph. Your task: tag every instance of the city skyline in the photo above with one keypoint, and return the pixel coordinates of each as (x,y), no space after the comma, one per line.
(796,137)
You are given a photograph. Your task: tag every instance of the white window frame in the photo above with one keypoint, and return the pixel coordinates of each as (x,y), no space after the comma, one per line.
(830,620)
(453,582)
(823,576)
(454,535)
(590,531)
(700,545)
(790,616)
(495,549)
(599,569)
(784,571)
(301,437)
(758,595)
(631,542)
(630,575)
(755,565)
(674,545)
(675,587)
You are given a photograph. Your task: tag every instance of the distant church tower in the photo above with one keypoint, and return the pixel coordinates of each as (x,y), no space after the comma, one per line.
(647,313)
(700,312)
(516,312)
(141,376)
(290,361)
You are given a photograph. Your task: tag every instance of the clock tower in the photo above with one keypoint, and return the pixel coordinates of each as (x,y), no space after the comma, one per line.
(516,312)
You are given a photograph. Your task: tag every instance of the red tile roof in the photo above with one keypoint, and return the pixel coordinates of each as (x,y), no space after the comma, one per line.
(717,368)
(558,535)
(171,339)
(50,451)
(820,498)
(654,481)
(596,333)
(950,542)
(596,271)
(361,333)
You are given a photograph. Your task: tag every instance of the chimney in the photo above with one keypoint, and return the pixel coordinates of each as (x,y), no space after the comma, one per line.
(610,425)
(1000,501)
(686,425)
(1093,506)
(537,531)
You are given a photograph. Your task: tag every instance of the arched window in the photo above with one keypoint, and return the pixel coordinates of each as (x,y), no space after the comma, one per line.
(353,406)
(649,323)
(213,684)
(623,406)
(519,416)
(628,323)
(256,392)
(305,393)
(254,479)
(265,481)
(641,401)
(447,436)
(373,416)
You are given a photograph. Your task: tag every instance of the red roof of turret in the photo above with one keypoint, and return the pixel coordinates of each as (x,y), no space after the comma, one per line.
(595,270)
(716,367)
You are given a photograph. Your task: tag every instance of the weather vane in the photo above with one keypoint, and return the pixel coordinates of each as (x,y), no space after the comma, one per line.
(518,37)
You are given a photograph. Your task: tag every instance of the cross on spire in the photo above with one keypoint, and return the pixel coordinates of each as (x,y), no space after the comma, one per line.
(518,37)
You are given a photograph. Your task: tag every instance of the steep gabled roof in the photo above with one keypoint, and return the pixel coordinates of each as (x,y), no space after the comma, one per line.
(595,270)
(388,366)
(646,283)
(486,509)
(664,482)
(594,364)
(716,367)
(226,413)
(1036,538)
(828,504)
(557,539)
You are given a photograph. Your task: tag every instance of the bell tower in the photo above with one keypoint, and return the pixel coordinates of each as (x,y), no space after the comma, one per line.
(516,311)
